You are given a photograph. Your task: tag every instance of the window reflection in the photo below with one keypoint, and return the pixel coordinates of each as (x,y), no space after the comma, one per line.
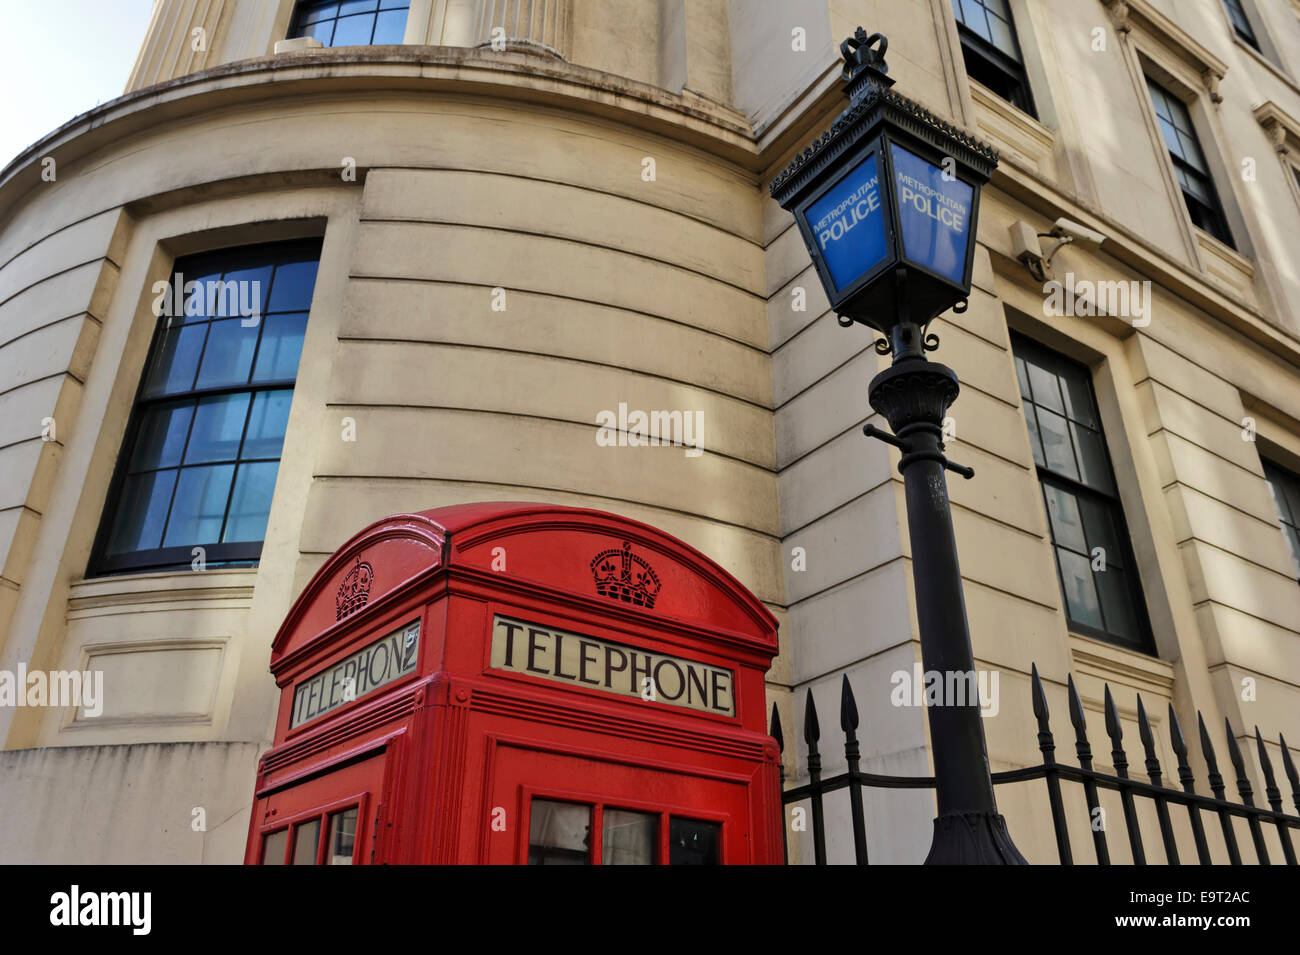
(559,833)
(627,838)
(343,836)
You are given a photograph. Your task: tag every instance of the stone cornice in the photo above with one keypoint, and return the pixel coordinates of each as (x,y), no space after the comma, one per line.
(472,71)
(1283,131)
(1125,15)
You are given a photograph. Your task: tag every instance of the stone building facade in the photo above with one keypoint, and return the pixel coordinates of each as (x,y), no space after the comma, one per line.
(525,213)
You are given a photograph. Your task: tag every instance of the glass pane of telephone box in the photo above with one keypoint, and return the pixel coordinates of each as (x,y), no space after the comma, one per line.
(273,846)
(693,842)
(304,842)
(343,836)
(627,838)
(559,833)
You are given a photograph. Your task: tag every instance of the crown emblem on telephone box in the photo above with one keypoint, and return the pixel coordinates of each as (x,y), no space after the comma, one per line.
(622,575)
(354,591)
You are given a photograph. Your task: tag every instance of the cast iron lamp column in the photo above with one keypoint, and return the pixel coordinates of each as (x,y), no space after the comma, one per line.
(887,202)
(914,395)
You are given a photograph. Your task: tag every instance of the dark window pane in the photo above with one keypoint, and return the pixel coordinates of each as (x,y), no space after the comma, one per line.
(291,287)
(1080,594)
(1116,602)
(348,7)
(200,506)
(1094,469)
(1056,444)
(1035,441)
(343,835)
(394,4)
(1046,388)
(1293,544)
(310,12)
(354,31)
(281,347)
(229,356)
(390,28)
(266,425)
(1067,525)
(274,846)
(176,360)
(218,426)
(162,435)
(1022,375)
(305,836)
(1099,527)
(250,504)
(1078,400)
(142,511)
(692,842)
(558,833)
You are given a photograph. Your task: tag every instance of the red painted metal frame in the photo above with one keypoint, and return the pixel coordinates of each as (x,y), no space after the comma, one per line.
(443,746)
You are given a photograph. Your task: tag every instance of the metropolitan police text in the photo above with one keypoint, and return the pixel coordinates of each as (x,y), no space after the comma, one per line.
(832,226)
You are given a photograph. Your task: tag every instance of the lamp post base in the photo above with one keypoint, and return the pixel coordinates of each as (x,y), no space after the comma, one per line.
(973,838)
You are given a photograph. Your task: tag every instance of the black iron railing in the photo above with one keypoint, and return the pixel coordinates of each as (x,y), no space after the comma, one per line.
(1092,781)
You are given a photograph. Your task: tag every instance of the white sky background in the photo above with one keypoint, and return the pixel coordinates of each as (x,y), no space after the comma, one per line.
(59,58)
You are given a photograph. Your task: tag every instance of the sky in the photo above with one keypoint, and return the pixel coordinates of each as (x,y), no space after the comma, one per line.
(59,58)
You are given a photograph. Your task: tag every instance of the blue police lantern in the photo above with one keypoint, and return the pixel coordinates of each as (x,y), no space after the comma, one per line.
(887,200)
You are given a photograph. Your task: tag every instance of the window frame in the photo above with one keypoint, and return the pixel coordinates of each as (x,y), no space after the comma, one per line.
(596,806)
(1279,477)
(162,559)
(1143,642)
(321,815)
(1214,214)
(302,7)
(988,54)
(1244,31)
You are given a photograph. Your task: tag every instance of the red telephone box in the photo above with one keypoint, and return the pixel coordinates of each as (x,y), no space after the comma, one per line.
(519,683)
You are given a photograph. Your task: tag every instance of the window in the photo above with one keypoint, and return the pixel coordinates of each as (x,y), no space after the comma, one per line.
(202,448)
(1241,23)
(351,22)
(338,847)
(991,50)
(559,833)
(1189,164)
(1286,496)
(1094,562)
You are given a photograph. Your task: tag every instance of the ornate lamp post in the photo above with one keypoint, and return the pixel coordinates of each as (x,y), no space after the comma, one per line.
(887,202)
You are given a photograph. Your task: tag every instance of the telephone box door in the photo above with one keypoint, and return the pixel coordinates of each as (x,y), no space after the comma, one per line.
(610,813)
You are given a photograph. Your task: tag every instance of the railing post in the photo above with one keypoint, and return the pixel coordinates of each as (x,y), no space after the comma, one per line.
(1153,773)
(849,723)
(1274,797)
(1216,787)
(1247,794)
(779,736)
(1047,746)
(811,734)
(1188,781)
(1084,752)
(1116,734)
